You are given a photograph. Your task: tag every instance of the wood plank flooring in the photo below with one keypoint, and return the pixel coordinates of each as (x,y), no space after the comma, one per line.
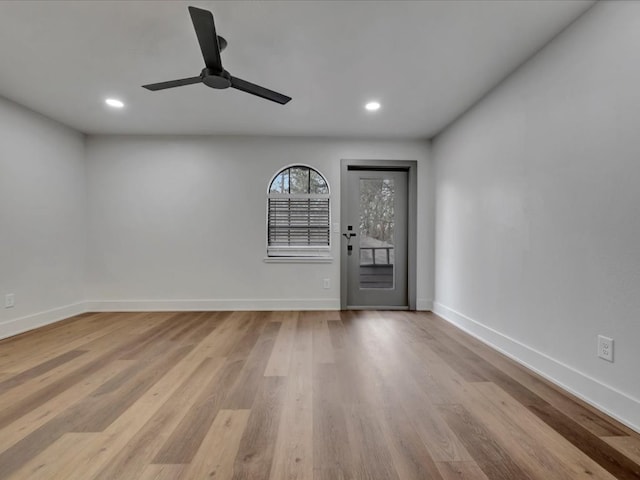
(289,395)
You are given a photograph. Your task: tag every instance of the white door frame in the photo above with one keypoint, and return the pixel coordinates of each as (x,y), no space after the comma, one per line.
(409,166)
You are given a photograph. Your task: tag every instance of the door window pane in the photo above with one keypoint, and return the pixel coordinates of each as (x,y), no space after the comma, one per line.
(376,233)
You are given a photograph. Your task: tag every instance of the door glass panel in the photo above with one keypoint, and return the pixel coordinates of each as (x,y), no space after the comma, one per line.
(376,236)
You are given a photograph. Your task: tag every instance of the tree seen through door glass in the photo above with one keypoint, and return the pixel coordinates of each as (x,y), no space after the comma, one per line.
(377,221)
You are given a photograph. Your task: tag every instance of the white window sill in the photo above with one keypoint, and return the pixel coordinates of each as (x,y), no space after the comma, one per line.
(298,259)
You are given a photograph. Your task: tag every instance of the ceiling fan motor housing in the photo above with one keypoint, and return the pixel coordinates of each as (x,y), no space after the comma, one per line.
(222,43)
(214,79)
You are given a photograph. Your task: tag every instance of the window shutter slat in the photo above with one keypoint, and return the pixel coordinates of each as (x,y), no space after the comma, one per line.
(298,222)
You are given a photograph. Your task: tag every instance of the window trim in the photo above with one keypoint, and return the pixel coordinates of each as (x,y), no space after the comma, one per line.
(292,253)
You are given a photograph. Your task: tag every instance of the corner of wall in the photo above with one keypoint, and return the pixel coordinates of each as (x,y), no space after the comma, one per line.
(20,325)
(609,400)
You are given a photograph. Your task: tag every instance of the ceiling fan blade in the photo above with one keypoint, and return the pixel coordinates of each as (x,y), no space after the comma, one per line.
(254,89)
(173,83)
(207,37)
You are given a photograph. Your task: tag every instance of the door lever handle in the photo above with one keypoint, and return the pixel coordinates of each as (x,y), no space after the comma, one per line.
(348,235)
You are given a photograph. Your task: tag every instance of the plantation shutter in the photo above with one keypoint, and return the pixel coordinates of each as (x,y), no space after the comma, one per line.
(299,222)
(298,214)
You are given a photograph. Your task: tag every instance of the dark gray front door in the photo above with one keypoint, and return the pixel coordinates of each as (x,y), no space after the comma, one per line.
(376,252)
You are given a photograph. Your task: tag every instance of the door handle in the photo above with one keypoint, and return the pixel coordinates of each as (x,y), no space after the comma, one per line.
(348,237)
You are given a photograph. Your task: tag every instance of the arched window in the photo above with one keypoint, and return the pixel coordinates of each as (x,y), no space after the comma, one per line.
(298,215)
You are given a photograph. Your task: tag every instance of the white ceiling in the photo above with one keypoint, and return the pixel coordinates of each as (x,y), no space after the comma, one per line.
(426,62)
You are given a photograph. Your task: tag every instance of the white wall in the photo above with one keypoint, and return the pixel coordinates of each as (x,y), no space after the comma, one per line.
(538,211)
(42,219)
(179,222)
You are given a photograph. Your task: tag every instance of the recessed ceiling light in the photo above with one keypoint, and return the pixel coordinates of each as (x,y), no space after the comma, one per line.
(372,106)
(113,102)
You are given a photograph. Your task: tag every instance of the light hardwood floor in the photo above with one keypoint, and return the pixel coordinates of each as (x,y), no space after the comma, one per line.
(288,395)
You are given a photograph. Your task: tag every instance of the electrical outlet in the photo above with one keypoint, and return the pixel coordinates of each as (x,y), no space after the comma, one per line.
(605,348)
(326,283)
(9,300)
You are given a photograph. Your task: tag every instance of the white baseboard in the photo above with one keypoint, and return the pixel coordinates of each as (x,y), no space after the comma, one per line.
(213,305)
(23,324)
(610,400)
(16,326)
(424,305)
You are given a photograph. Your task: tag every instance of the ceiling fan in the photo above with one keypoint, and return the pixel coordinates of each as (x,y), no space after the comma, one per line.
(213,75)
